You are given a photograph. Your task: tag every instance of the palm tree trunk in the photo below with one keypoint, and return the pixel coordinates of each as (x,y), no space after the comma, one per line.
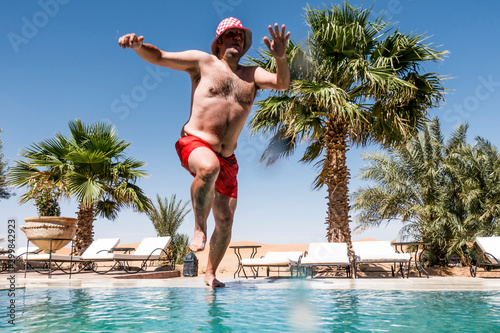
(85,231)
(337,180)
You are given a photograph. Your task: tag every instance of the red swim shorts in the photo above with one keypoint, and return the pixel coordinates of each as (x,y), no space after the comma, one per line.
(226,182)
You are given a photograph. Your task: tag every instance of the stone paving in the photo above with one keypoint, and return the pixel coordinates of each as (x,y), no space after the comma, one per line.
(168,279)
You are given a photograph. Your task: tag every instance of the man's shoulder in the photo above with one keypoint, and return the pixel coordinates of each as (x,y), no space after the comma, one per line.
(204,57)
(248,68)
(198,54)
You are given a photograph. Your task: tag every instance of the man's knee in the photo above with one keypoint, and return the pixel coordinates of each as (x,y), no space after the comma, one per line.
(204,163)
(208,170)
(224,222)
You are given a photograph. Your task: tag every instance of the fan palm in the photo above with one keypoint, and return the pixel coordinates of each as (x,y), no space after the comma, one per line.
(357,83)
(94,170)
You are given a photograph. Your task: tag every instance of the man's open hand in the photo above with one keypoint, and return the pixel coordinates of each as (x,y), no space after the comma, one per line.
(277,46)
(131,41)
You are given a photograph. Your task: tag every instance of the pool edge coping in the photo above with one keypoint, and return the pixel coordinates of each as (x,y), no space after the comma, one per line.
(412,284)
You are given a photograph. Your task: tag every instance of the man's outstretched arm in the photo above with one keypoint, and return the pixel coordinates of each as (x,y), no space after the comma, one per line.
(277,47)
(183,61)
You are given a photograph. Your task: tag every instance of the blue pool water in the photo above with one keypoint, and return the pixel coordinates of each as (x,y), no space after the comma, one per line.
(250,310)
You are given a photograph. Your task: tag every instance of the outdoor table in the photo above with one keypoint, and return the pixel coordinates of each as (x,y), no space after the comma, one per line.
(125,250)
(237,249)
(418,254)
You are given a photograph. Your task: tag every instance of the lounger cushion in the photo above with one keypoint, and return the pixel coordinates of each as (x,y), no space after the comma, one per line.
(21,251)
(327,254)
(102,245)
(144,251)
(490,245)
(273,258)
(148,245)
(55,257)
(378,251)
(385,257)
(121,256)
(325,261)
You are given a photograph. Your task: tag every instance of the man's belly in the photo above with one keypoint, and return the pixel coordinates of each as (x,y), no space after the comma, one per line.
(218,124)
(220,144)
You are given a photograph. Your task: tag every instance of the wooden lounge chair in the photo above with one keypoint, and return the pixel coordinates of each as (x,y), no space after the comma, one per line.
(272,260)
(372,252)
(149,249)
(325,254)
(489,254)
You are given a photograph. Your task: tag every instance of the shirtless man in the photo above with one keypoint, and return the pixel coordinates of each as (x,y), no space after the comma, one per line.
(221,98)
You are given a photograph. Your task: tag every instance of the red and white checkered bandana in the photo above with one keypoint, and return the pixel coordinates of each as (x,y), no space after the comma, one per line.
(230,23)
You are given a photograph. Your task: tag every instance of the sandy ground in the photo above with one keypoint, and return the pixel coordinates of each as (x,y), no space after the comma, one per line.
(229,263)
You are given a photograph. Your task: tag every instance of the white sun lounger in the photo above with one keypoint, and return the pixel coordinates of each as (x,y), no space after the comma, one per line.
(103,245)
(326,254)
(21,251)
(8,261)
(272,259)
(149,249)
(489,254)
(371,252)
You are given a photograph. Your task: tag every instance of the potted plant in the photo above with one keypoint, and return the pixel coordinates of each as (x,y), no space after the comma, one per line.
(49,231)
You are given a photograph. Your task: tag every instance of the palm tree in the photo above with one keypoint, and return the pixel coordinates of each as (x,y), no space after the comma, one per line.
(94,170)
(167,216)
(410,186)
(476,171)
(443,193)
(357,83)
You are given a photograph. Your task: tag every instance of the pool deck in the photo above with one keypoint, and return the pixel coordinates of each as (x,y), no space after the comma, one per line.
(92,280)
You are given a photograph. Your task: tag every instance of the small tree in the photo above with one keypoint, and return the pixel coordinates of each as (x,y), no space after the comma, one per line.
(180,243)
(4,193)
(46,194)
(167,216)
(445,193)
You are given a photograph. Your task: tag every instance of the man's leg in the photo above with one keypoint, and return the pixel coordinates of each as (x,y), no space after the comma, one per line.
(223,210)
(204,163)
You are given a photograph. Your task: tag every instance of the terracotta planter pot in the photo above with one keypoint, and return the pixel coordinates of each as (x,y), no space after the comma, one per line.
(41,230)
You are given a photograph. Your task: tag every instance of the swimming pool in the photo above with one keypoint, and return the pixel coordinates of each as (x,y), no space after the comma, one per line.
(250,310)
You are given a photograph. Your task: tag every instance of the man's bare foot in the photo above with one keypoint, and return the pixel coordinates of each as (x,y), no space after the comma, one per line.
(198,241)
(211,281)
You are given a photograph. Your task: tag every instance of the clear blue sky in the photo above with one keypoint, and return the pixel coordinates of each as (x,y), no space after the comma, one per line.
(60,61)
